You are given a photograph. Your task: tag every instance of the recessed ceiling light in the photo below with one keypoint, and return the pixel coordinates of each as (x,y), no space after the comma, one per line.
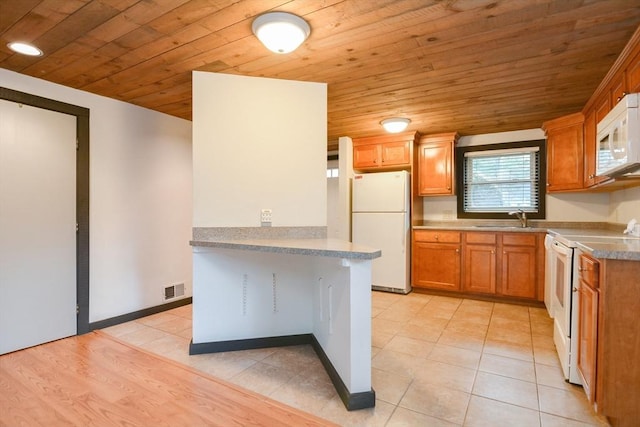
(25,48)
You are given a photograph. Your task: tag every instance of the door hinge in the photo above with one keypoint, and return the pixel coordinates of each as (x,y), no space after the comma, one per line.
(77,309)
(77,227)
(77,145)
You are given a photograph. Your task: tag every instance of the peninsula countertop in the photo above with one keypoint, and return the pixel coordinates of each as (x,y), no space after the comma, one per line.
(335,248)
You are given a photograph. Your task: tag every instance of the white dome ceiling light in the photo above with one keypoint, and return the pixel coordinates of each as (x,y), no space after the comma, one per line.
(24,48)
(281,32)
(395,124)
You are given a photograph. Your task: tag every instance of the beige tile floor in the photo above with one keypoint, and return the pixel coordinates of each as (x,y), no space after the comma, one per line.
(436,361)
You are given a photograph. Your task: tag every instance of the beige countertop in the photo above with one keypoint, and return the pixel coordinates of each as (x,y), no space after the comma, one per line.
(601,240)
(304,240)
(315,247)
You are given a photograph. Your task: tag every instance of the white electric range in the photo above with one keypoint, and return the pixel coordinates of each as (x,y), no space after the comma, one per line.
(562,284)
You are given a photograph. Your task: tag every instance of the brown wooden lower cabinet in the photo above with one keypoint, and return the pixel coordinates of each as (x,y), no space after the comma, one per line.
(479,273)
(436,260)
(588,324)
(480,269)
(497,264)
(519,271)
(609,337)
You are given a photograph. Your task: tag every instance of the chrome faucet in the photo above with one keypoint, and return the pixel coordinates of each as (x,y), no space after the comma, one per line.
(521,215)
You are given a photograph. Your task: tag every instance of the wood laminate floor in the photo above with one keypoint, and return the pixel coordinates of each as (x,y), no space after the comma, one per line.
(436,361)
(97,380)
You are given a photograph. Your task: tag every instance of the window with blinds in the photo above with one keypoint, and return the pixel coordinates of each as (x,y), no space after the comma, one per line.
(498,179)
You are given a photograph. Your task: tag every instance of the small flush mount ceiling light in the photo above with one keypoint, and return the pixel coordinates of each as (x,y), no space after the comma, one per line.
(281,32)
(395,124)
(24,48)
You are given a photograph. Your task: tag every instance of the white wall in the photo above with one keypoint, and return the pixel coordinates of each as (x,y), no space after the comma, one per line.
(625,205)
(345,156)
(592,207)
(333,201)
(258,144)
(140,199)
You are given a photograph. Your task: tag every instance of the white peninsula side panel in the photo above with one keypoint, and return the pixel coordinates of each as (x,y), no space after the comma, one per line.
(244,295)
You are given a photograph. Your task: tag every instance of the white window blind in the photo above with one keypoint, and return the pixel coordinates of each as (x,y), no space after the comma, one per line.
(502,180)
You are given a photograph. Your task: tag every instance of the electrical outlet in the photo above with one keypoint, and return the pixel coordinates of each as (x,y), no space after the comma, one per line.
(265,218)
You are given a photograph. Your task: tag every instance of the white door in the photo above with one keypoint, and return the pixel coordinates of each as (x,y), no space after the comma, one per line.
(390,233)
(37,226)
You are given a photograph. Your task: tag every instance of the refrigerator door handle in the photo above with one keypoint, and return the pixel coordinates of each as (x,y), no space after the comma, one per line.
(405,233)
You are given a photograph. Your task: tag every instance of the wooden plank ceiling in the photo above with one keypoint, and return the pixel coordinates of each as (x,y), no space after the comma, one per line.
(472,66)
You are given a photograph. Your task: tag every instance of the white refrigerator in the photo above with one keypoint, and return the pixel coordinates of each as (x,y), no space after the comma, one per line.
(380,219)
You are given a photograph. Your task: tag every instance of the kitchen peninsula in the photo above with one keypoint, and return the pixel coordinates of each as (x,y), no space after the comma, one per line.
(265,287)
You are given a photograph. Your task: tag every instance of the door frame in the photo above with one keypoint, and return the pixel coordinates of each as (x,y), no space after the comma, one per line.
(82,192)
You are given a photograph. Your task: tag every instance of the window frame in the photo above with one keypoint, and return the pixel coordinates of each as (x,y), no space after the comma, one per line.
(542,190)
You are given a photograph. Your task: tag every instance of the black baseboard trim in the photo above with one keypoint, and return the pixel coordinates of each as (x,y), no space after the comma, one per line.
(352,401)
(101,324)
(248,344)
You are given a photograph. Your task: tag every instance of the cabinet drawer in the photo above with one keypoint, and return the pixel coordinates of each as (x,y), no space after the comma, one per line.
(589,271)
(519,239)
(480,238)
(436,236)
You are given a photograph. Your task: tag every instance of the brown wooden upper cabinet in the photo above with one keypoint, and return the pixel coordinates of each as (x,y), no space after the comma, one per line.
(633,75)
(571,139)
(436,176)
(565,162)
(592,116)
(384,152)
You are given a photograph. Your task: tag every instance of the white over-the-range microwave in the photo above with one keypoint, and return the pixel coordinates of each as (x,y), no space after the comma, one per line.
(618,150)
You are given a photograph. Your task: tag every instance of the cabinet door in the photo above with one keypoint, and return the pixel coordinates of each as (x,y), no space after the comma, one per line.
(618,89)
(590,147)
(565,158)
(603,106)
(519,271)
(587,338)
(633,75)
(366,156)
(396,153)
(436,266)
(480,269)
(435,169)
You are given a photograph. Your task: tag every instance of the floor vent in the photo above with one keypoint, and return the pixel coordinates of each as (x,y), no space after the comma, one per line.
(174,291)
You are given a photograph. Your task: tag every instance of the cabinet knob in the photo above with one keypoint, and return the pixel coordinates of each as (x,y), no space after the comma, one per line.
(493,252)
(448,188)
(621,96)
(548,184)
(457,251)
(575,289)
